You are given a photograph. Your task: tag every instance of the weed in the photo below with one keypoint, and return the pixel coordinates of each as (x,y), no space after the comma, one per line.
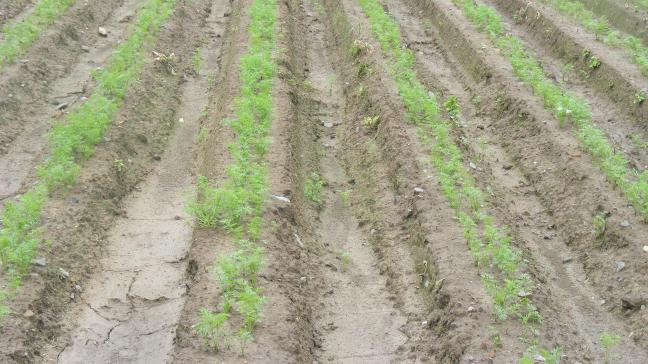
(608,342)
(203,134)
(594,63)
(600,224)
(638,142)
(370,121)
(346,196)
(345,257)
(313,187)
(639,97)
(452,107)
(196,61)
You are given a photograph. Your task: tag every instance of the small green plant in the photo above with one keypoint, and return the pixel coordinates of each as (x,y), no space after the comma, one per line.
(119,165)
(203,134)
(600,224)
(640,97)
(452,107)
(345,257)
(608,342)
(196,61)
(638,142)
(345,196)
(370,121)
(594,63)
(495,337)
(313,187)
(211,328)
(211,80)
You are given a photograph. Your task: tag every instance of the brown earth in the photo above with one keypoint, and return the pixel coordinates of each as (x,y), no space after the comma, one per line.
(13,9)
(379,271)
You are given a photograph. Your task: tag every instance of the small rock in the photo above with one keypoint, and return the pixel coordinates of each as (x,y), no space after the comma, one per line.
(625,223)
(418,190)
(539,358)
(28,313)
(524,294)
(77,288)
(472,165)
(424,323)
(281,198)
(645,248)
(620,266)
(181,120)
(85,49)
(102,32)
(41,262)
(602,302)
(507,166)
(643,307)
(567,260)
(328,125)
(62,106)
(471,309)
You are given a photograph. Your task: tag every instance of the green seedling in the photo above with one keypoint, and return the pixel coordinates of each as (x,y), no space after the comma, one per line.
(608,342)
(594,63)
(345,257)
(313,188)
(345,196)
(640,97)
(211,328)
(600,224)
(370,121)
(196,61)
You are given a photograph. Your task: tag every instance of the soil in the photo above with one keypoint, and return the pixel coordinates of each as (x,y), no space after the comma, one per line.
(378,271)
(14,10)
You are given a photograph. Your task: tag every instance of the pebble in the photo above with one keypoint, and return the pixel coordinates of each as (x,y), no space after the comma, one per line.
(102,32)
(28,313)
(41,262)
(625,223)
(471,309)
(62,106)
(418,190)
(620,266)
(472,165)
(328,125)
(645,248)
(539,358)
(281,198)
(524,294)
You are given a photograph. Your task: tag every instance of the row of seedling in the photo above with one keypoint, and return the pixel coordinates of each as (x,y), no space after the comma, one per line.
(236,204)
(72,140)
(499,262)
(565,106)
(604,32)
(18,35)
